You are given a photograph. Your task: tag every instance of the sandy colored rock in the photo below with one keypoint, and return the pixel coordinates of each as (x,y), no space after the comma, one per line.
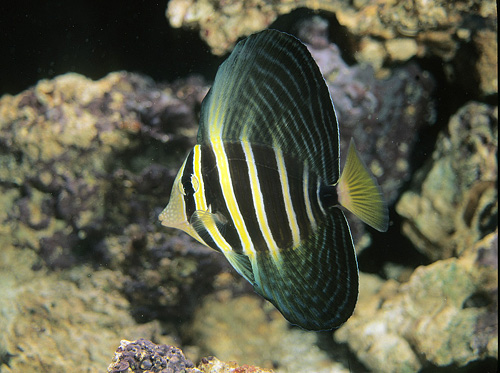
(435,317)
(380,32)
(222,23)
(487,64)
(247,330)
(453,201)
(401,49)
(84,165)
(213,365)
(61,323)
(372,52)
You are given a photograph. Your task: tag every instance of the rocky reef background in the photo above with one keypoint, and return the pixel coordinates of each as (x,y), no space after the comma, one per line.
(99,105)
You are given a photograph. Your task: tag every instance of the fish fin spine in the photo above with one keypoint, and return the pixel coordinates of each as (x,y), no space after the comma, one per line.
(359,192)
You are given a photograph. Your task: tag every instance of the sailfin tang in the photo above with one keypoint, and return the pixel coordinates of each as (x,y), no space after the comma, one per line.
(270,92)
(315,286)
(359,192)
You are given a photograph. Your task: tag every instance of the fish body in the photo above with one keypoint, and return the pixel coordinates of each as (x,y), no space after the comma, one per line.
(262,186)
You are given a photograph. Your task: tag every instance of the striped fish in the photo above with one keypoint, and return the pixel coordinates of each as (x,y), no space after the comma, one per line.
(262,185)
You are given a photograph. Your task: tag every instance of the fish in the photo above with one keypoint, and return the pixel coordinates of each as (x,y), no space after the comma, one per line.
(263,184)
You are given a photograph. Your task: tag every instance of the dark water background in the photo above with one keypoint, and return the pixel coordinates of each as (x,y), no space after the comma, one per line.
(42,39)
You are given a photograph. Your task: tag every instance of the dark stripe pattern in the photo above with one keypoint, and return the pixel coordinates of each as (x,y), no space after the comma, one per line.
(214,197)
(269,186)
(187,186)
(274,203)
(268,127)
(238,166)
(271,89)
(317,287)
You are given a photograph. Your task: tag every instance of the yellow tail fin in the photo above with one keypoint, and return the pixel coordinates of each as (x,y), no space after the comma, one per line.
(359,192)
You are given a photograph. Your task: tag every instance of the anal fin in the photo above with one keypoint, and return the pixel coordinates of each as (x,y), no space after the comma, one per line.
(315,286)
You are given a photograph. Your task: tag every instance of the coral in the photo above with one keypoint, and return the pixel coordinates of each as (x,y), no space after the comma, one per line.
(381,32)
(246,330)
(62,143)
(453,200)
(397,28)
(60,323)
(80,183)
(446,314)
(213,365)
(145,356)
(80,188)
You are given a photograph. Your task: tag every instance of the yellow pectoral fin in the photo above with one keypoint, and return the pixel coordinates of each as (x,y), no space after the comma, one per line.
(206,221)
(359,192)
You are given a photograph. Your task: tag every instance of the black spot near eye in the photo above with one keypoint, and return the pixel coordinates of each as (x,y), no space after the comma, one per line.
(187,185)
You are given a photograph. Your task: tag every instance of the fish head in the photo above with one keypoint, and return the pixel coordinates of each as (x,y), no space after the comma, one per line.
(175,214)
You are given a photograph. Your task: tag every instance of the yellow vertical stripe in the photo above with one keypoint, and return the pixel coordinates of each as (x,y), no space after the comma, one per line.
(258,202)
(230,198)
(201,205)
(285,189)
(199,196)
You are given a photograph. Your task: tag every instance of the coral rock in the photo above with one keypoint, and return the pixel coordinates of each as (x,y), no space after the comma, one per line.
(145,356)
(487,64)
(222,23)
(52,322)
(382,115)
(63,143)
(213,365)
(453,201)
(246,330)
(447,313)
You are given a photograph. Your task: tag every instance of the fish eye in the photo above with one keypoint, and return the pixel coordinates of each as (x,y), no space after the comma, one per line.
(195,183)
(189,185)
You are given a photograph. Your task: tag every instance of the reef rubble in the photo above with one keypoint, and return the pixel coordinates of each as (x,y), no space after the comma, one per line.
(453,200)
(385,32)
(143,356)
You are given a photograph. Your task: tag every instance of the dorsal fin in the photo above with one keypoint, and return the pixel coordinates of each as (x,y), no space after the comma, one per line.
(270,91)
